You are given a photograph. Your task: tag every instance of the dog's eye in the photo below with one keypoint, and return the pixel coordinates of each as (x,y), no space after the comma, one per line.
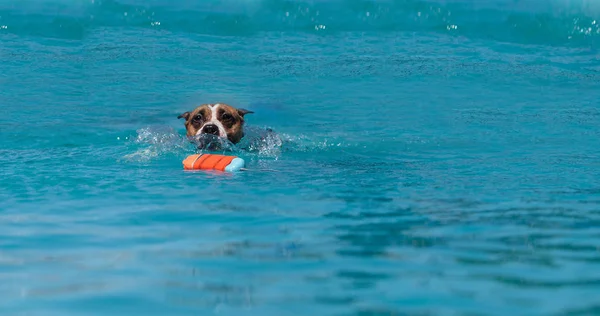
(197,118)
(226,116)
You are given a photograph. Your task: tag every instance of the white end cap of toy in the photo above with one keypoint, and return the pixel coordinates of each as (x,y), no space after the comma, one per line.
(235,165)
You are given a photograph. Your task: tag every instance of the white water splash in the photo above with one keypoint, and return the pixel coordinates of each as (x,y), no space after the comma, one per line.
(154,142)
(157,142)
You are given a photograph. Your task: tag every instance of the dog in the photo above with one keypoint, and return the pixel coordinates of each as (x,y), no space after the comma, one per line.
(210,124)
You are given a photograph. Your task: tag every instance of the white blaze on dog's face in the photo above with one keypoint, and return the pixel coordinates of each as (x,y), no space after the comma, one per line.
(217,119)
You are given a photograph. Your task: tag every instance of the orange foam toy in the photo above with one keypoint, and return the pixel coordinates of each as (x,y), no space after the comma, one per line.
(213,162)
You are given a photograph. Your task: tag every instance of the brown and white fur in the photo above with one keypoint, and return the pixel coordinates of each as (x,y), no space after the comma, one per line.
(219,119)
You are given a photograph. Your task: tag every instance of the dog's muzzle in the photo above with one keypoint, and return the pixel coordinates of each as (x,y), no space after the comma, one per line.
(212,142)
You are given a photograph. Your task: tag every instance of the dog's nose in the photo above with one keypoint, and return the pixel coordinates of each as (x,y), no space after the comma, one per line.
(211,129)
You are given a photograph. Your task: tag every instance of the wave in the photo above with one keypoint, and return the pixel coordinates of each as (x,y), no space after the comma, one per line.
(572,23)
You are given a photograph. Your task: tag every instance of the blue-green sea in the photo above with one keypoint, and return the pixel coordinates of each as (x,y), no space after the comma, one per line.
(430,157)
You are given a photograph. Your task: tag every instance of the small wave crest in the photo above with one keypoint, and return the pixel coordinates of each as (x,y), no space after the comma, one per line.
(264,142)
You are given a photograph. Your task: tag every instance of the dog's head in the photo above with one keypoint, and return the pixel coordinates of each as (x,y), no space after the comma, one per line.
(218,120)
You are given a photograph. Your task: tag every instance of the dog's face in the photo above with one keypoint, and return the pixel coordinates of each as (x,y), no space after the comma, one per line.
(217,119)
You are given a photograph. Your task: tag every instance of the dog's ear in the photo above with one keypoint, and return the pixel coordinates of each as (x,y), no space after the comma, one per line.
(185,115)
(243,112)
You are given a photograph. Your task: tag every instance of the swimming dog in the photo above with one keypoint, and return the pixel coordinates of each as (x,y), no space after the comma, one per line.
(208,123)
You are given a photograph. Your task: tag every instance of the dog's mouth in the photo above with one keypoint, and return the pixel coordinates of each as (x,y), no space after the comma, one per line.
(212,142)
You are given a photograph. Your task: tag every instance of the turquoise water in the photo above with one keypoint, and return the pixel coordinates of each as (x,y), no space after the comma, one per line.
(433,157)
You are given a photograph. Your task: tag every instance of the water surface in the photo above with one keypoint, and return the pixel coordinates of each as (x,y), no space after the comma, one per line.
(436,157)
